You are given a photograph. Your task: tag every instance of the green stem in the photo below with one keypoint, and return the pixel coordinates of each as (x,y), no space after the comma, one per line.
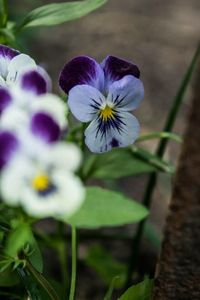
(136,242)
(42,281)
(74,261)
(62,250)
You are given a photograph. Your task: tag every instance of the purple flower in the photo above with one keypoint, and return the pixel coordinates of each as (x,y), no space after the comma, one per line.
(103,94)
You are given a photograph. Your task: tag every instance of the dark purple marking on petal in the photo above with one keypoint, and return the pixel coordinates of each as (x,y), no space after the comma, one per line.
(5,99)
(45,127)
(8,146)
(8,52)
(34,82)
(114,143)
(116,68)
(81,70)
(48,191)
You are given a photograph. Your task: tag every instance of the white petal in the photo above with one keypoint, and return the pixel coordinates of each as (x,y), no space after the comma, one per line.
(19,64)
(126,93)
(98,141)
(84,102)
(13,180)
(66,156)
(71,193)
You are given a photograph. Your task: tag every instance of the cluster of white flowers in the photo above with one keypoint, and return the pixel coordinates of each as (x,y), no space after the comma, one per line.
(37,168)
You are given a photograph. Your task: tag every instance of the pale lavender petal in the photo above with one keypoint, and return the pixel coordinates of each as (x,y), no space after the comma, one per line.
(45,127)
(5,99)
(81,70)
(121,131)
(8,146)
(34,82)
(116,68)
(127,93)
(84,102)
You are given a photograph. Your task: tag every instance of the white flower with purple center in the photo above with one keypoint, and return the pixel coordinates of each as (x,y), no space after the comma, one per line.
(104,94)
(44,185)
(13,64)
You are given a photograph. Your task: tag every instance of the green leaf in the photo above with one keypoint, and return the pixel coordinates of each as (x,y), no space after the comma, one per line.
(8,277)
(21,238)
(153,160)
(3,13)
(140,291)
(106,208)
(115,164)
(160,135)
(58,13)
(105,265)
(18,238)
(113,284)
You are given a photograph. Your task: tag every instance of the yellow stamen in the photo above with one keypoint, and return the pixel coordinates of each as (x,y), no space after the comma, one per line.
(40,182)
(106,113)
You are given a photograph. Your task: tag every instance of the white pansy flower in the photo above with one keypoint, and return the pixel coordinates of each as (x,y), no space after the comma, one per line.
(45,185)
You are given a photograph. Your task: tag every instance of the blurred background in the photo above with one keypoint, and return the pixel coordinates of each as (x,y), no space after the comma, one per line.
(160,37)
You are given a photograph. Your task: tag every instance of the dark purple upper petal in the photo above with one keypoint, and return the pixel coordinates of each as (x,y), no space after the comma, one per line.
(35,82)
(5,99)
(45,127)
(8,146)
(116,68)
(81,70)
(8,52)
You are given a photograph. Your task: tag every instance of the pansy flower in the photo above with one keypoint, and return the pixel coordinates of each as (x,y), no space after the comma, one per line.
(31,84)
(42,125)
(12,64)
(104,94)
(44,185)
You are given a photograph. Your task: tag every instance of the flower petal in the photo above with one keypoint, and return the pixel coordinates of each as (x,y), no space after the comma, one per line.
(35,82)
(19,64)
(53,105)
(127,93)
(45,127)
(6,55)
(8,147)
(13,180)
(5,99)
(116,68)
(81,70)
(66,156)
(84,102)
(112,135)
(66,199)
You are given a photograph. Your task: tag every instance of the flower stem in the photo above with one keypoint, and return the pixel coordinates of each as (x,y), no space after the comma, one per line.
(42,281)
(74,261)
(136,241)
(62,249)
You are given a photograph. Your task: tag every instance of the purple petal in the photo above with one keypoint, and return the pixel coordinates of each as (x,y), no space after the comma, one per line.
(44,126)
(116,68)
(35,82)
(81,70)
(8,52)
(8,146)
(5,99)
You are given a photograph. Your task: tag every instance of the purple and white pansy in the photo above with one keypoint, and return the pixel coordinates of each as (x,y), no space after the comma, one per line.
(104,94)
(44,185)
(33,159)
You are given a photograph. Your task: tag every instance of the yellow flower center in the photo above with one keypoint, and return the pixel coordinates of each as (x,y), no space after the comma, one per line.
(40,182)
(106,113)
